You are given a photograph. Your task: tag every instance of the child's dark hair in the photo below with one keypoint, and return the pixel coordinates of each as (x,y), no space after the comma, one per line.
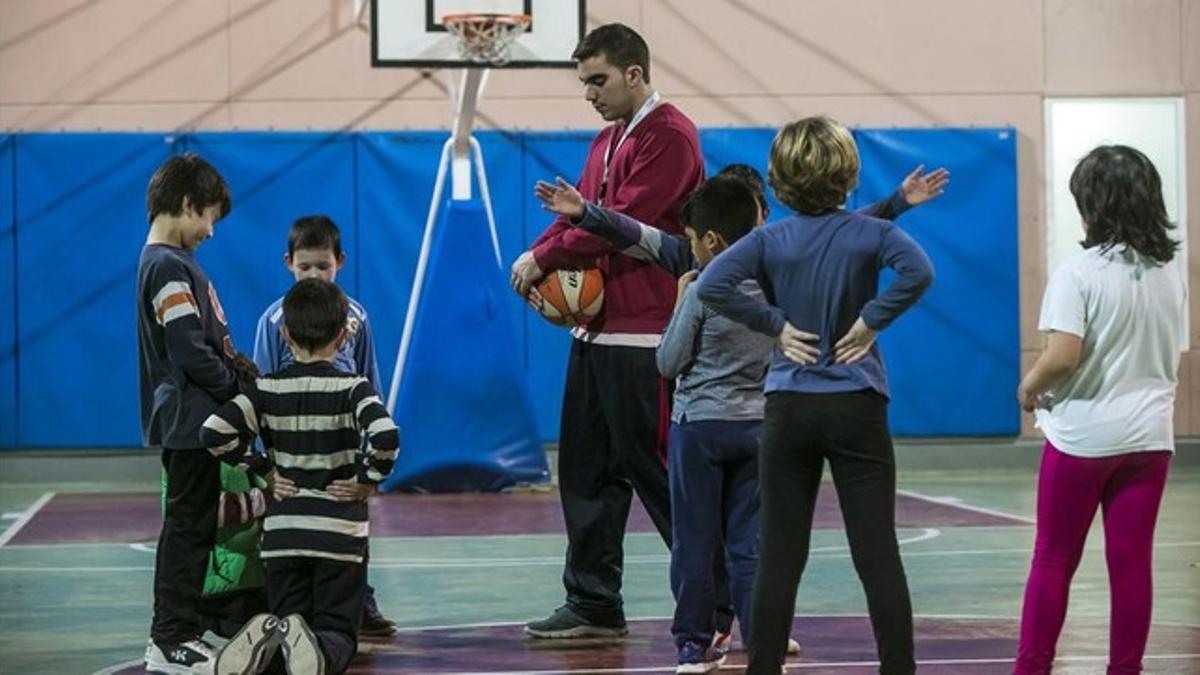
(314,312)
(1119,195)
(724,205)
(315,232)
(186,176)
(621,46)
(753,180)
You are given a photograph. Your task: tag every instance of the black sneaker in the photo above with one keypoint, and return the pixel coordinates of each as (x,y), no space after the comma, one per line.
(566,624)
(182,658)
(301,651)
(374,623)
(250,648)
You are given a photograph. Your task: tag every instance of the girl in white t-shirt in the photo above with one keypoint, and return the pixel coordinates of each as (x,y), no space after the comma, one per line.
(1104,392)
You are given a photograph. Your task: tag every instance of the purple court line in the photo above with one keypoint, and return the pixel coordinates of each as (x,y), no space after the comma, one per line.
(134,517)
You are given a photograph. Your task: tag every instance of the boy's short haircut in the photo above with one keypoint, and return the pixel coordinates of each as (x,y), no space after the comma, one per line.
(621,46)
(190,176)
(724,205)
(315,232)
(753,180)
(813,165)
(314,312)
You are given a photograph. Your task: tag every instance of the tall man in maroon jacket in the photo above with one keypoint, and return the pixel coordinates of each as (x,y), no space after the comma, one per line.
(615,405)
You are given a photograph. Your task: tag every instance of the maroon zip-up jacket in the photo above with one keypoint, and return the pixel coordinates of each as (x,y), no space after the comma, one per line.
(650,174)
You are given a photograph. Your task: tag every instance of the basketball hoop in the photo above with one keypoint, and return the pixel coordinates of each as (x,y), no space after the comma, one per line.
(486,38)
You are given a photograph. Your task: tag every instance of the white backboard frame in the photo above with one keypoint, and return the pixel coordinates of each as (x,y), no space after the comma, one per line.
(409,34)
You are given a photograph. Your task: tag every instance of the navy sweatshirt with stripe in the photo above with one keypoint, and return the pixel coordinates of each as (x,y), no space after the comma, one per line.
(184,348)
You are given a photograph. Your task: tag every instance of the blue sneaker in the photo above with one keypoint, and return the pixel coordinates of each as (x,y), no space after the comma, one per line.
(694,657)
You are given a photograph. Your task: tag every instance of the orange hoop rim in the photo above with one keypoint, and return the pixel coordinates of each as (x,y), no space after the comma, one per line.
(501,19)
(486,38)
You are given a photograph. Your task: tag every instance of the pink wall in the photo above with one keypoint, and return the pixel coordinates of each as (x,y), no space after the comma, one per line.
(299,64)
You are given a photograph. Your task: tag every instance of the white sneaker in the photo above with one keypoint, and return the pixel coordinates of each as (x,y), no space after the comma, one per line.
(301,651)
(723,643)
(250,649)
(194,657)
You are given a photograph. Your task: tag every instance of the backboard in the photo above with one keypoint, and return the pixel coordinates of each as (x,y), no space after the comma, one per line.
(409,33)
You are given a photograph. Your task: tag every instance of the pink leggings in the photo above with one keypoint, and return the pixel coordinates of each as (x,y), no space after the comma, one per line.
(1130,488)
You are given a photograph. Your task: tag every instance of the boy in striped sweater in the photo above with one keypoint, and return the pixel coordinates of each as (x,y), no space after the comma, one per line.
(314,251)
(311,418)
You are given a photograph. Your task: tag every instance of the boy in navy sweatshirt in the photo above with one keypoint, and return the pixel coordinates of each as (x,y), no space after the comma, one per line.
(186,368)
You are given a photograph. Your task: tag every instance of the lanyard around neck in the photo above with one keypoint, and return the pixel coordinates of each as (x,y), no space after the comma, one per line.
(650,104)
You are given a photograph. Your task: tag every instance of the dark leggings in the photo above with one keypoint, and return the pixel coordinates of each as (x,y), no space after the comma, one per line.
(850,430)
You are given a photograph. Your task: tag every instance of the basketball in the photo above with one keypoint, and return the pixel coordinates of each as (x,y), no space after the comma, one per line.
(571,297)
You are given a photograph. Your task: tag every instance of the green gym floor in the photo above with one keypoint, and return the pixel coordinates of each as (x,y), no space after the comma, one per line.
(460,573)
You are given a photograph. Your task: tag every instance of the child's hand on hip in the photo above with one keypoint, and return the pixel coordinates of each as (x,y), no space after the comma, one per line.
(794,343)
(350,490)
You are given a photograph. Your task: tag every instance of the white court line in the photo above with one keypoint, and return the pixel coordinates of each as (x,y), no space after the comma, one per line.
(436,563)
(957,503)
(69,570)
(803,615)
(24,518)
(112,670)
(800,665)
(468,563)
(925,535)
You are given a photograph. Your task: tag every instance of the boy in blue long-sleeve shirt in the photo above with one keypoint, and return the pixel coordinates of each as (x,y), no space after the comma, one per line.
(826,387)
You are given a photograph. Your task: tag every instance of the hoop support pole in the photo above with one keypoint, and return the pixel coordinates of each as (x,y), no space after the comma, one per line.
(469,93)
(414,298)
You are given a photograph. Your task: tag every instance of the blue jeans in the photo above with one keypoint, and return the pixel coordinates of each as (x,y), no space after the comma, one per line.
(714,501)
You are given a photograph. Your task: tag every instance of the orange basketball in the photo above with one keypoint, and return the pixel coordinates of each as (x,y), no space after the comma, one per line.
(571,297)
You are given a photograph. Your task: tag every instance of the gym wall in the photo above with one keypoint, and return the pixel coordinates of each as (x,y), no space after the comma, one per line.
(162,65)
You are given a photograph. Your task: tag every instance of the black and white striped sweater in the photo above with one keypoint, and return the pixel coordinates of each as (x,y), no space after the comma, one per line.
(312,419)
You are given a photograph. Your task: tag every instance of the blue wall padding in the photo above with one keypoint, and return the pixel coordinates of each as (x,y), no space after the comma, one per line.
(78,200)
(8,295)
(273,179)
(81,223)
(395,179)
(466,417)
(954,359)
